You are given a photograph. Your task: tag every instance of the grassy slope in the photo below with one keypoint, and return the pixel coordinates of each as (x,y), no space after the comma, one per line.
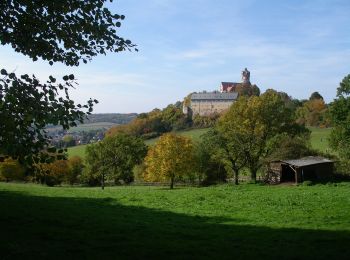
(318,140)
(194,134)
(221,222)
(77,151)
(86,127)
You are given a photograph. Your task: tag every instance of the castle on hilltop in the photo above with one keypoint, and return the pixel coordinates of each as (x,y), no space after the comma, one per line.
(208,103)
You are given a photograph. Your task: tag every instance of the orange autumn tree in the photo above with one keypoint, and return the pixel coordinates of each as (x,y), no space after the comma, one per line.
(170,159)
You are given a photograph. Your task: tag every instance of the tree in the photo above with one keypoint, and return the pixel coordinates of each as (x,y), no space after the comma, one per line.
(115,158)
(313,112)
(247,89)
(55,31)
(52,173)
(11,170)
(75,165)
(68,140)
(284,147)
(209,168)
(340,115)
(226,149)
(251,122)
(315,95)
(154,123)
(170,159)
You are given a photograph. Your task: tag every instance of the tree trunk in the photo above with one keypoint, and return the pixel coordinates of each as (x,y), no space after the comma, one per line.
(253,175)
(236,177)
(103,182)
(172,183)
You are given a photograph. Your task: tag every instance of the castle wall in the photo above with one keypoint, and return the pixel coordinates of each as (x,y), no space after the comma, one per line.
(208,107)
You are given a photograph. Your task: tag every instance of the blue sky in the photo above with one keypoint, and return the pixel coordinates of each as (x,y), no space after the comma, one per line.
(294,46)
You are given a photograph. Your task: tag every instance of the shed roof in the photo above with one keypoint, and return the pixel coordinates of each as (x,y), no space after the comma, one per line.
(306,161)
(214,96)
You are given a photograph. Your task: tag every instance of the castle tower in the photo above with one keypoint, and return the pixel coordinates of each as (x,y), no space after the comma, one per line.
(245,76)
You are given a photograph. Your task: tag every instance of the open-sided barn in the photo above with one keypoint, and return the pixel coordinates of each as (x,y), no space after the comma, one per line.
(310,168)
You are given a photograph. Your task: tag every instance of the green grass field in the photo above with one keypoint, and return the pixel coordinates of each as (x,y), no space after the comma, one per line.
(194,134)
(222,222)
(319,140)
(86,127)
(77,151)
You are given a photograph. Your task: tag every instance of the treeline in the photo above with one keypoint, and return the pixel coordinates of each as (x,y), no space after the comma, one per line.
(311,112)
(155,123)
(115,118)
(253,132)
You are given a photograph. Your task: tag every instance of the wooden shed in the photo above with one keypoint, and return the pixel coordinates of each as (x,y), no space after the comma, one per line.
(310,168)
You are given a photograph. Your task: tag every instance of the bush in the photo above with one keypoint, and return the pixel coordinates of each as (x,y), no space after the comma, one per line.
(342,167)
(139,172)
(12,170)
(205,121)
(52,174)
(307,183)
(76,166)
(90,177)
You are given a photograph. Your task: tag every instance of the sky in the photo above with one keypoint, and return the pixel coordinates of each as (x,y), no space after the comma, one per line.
(295,46)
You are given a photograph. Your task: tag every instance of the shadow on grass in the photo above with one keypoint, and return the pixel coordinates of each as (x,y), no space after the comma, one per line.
(54,227)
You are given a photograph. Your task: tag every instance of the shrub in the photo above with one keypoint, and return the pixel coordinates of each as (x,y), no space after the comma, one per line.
(139,172)
(53,173)
(11,170)
(76,166)
(307,183)
(90,176)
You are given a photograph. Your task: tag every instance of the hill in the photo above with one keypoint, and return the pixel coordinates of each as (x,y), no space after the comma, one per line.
(114,118)
(319,140)
(97,122)
(194,134)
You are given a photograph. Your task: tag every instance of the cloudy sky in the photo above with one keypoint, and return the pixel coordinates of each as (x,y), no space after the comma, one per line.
(296,46)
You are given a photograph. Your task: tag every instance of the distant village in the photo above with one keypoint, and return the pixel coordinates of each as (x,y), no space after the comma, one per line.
(90,132)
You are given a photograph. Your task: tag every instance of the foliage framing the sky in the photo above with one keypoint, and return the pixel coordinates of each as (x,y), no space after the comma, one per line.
(61,32)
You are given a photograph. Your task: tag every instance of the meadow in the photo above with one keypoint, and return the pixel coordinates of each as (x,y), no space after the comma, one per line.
(221,222)
(319,140)
(85,127)
(195,134)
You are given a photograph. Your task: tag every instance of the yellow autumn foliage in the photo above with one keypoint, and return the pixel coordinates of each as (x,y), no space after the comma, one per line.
(170,159)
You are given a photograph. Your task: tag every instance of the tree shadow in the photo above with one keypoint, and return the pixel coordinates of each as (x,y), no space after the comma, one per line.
(58,228)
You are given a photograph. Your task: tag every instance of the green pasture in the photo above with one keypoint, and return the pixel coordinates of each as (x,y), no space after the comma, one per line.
(92,126)
(194,134)
(319,140)
(86,127)
(222,222)
(77,151)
